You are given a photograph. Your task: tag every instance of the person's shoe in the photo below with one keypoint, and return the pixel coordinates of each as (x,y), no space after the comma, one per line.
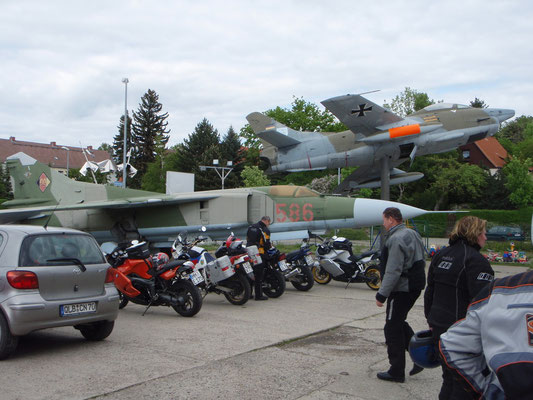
(416,369)
(385,376)
(261,298)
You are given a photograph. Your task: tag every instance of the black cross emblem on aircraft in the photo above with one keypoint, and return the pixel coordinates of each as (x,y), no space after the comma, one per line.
(362,109)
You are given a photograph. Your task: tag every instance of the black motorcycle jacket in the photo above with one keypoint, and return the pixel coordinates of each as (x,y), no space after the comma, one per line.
(259,235)
(456,274)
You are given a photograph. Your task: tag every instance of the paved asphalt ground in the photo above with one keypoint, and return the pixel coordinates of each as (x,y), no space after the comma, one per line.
(323,344)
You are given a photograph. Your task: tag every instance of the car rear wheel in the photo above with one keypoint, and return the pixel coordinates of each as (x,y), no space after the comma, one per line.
(97,330)
(8,342)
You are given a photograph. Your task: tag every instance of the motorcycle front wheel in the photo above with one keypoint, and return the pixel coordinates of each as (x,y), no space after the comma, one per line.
(240,290)
(321,276)
(123,300)
(273,283)
(304,280)
(192,295)
(375,278)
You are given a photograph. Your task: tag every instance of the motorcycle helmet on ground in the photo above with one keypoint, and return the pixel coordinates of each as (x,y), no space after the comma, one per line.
(422,350)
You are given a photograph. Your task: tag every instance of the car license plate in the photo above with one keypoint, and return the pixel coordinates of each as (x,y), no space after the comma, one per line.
(196,277)
(247,267)
(309,260)
(282,265)
(77,309)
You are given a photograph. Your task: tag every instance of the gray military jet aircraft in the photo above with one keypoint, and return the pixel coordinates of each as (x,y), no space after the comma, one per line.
(378,140)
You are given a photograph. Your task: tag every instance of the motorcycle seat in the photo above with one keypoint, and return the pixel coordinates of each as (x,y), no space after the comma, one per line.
(168,266)
(293,255)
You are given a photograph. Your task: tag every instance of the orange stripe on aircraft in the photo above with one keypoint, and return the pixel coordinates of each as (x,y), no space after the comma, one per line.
(404,131)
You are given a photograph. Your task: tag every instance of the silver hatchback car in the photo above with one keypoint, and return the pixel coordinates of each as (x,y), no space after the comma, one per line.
(53,277)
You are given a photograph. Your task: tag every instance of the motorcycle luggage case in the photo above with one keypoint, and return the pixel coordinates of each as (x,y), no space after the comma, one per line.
(253,253)
(342,244)
(220,269)
(332,267)
(139,253)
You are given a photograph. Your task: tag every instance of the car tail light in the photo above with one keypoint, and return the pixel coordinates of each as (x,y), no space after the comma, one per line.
(110,275)
(23,279)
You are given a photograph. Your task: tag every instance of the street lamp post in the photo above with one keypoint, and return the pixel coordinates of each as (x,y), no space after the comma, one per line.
(221,171)
(124,166)
(68,156)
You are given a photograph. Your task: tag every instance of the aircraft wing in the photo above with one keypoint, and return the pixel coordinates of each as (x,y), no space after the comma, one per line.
(360,114)
(21,214)
(369,177)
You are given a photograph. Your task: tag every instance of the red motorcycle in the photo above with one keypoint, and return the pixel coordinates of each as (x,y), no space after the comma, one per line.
(155,281)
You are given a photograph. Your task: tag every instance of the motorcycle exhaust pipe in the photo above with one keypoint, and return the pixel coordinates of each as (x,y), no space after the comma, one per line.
(172,299)
(292,273)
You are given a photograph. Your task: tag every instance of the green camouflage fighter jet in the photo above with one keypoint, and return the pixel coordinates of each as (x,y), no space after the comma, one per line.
(378,140)
(43,195)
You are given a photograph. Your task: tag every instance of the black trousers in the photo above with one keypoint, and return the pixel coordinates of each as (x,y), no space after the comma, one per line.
(452,388)
(398,333)
(259,273)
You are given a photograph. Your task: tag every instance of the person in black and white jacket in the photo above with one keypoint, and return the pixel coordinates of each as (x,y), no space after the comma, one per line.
(492,348)
(456,275)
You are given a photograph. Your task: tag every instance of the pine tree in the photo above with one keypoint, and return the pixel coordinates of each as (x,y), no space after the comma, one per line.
(118,141)
(231,150)
(5,183)
(150,134)
(200,148)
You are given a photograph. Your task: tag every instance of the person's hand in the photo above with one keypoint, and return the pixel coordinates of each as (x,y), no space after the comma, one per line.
(379,303)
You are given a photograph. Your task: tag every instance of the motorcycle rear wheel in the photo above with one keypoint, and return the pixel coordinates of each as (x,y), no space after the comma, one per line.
(273,283)
(240,290)
(305,280)
(192,295)
(375,282)
(321,277)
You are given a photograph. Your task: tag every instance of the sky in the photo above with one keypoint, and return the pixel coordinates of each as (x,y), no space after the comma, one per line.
(62,62)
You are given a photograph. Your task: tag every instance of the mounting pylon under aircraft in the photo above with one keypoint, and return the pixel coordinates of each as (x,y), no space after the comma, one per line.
(44,196)
(378,140)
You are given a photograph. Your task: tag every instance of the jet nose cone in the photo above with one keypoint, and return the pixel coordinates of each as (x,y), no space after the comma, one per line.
(501,114)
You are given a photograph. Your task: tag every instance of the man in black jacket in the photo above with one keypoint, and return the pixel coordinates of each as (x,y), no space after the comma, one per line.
(456,274)
(259,235)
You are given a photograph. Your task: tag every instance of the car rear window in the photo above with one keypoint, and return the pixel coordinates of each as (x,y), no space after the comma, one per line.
(39,249)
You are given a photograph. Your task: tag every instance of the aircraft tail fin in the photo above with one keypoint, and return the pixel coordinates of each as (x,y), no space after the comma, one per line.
(31,181)
(271,131)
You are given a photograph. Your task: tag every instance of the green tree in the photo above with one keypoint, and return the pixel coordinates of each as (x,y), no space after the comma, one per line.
(306,116)
(478,103)
(118,141)
(231,150)
(200,148)
(154,180)
(519,182)
(106,147)
(514,131)
(254,177)
(5,183)
(408,102)
(150,134)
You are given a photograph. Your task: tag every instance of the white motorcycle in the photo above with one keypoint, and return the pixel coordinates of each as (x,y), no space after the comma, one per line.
(335,260)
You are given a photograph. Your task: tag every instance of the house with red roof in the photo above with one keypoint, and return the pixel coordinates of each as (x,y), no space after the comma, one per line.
(488,153)
(55,155)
